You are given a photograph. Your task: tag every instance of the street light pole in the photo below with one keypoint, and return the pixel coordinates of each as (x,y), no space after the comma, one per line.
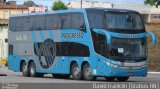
(81,3)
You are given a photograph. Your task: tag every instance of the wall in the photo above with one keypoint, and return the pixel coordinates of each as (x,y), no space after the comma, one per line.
(4,16)
(5,13)
(74,4)
(3,44)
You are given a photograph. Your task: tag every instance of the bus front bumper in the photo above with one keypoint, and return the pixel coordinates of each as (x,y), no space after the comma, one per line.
(113,72)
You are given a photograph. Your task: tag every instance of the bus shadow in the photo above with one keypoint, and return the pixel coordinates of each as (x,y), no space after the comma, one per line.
(100,79)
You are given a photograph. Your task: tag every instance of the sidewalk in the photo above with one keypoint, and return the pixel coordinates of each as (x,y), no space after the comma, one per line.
(2,69)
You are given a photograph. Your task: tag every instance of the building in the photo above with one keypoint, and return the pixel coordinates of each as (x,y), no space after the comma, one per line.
(150,14)
(36,9)
(7,9)
(87,4)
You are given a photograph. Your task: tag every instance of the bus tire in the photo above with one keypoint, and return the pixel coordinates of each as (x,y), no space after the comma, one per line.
(75,72)
(122,79)
(87,73)
(24,69)
(32,71)
(110,78)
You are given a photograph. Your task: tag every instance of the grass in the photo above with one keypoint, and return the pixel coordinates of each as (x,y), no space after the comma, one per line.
(154,52)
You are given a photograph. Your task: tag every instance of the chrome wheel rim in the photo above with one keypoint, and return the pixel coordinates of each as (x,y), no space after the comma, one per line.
(25,69)
(88,72)
(76,71)
(32,70)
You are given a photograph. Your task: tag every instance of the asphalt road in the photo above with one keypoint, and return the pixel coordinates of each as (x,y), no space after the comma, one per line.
(16,77)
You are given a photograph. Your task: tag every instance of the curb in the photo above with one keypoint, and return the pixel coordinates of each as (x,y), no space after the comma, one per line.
(154,72)
(3,74)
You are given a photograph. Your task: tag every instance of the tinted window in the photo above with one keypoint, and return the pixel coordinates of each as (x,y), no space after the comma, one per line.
(19,23)
(10,49)
(127,21)
(72,21)
(66,21)
(39,22)
(12,23)
(77,21)
(100,45)
(47,22)
(96,20)
(53,22)
(71,49)
(68,49)
(27,23)
(77,49)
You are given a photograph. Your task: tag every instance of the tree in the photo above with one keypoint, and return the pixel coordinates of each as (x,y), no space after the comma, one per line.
(152,2)
(59,5)
(29,3)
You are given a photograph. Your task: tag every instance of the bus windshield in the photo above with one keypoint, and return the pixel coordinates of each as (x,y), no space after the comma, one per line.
(115,21)
(124,21)
(128,49)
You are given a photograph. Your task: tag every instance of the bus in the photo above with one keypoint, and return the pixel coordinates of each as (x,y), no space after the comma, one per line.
(79,43)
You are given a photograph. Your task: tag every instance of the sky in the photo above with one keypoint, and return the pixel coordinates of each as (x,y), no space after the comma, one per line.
(50,2)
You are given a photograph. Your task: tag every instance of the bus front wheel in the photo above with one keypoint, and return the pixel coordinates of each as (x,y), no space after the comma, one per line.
(24,69)
(122,79)
(75,72)
(32,71)
(87,73)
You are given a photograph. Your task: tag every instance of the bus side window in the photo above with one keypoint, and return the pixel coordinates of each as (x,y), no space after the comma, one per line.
(19,23)
(27,23)
(39,22)
(52,22)
(10,49)
(62,49)
(96,20)
(77,49)
(12,24)
(66,21)
(77,21)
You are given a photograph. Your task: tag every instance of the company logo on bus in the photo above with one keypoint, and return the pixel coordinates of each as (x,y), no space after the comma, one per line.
(128,35)
(47,53)
(72,35)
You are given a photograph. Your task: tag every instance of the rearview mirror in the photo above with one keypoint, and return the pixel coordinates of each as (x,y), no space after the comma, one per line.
(83,29)
(153,37)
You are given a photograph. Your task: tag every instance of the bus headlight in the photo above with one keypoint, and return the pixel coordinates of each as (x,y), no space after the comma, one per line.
(126,67)
(112,65)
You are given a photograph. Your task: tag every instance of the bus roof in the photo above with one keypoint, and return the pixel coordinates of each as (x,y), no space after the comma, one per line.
(75,10)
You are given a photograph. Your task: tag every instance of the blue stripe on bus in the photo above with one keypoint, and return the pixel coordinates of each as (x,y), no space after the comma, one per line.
(51,37)
(42,36)
(43,39)
(51,34)
(120,35)
(34,40)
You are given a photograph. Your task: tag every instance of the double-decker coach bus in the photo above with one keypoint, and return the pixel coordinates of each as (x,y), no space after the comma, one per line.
(84,43)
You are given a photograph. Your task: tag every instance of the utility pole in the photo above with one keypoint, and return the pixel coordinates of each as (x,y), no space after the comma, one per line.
(81,3)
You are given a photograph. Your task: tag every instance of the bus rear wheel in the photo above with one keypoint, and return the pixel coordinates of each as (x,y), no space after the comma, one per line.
(24,69)
(75,72)
(87,73)
(32,71)
(122,79)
